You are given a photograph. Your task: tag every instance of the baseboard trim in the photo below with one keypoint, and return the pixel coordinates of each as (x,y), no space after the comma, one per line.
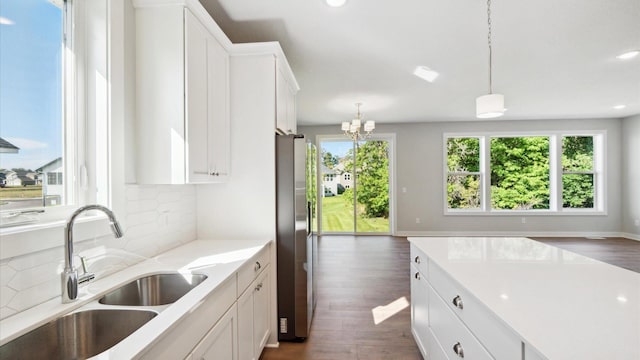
(272,346)
(519,234)
(631,236)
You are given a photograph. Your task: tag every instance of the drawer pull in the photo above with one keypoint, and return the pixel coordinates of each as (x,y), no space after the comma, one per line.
(457,348)
(417,260)
(457,301)
(258,266)
(417,275)
(259,287)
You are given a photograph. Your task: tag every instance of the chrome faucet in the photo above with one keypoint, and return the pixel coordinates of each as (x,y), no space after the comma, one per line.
(70,277)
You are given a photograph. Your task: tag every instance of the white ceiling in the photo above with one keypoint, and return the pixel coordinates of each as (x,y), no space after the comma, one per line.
(552,59)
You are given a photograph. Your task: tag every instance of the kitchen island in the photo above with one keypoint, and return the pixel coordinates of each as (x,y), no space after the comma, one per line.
(516,298)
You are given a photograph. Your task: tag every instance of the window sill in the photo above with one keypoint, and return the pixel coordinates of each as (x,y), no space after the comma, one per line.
(25,239)
(526,213)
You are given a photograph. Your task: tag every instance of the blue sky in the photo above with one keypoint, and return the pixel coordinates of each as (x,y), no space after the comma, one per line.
(30,73)
(338,148)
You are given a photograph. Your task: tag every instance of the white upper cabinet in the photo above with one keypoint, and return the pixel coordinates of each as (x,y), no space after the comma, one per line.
(286,121)
(182,80)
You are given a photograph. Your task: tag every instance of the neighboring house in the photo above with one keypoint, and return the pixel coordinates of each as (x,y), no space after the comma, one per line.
(331,178)
(7,147)
(11,178)
(330,181)
(52,181)
(344,178)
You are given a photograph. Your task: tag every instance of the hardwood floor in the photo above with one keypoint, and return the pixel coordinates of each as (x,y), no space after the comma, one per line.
(621,252)
(356,275)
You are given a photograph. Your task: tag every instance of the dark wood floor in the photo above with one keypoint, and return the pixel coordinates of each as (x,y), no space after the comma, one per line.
(356,275)
(621,252)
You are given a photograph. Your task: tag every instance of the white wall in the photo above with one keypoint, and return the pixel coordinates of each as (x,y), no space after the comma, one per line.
(419,159)
(631,176)
(244,208)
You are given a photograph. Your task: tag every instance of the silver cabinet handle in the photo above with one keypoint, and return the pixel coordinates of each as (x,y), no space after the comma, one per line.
(417,275)
(457,301)
(417,260)
(259,287)
(257,266)
(457,348)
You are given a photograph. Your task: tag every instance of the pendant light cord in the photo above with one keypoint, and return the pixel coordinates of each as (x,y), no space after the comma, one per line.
(489,42)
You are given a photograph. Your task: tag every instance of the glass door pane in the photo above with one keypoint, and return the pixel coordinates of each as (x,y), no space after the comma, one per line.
(372,186)
(336,161)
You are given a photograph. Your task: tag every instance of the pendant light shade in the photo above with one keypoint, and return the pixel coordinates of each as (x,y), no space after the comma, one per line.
(489,106)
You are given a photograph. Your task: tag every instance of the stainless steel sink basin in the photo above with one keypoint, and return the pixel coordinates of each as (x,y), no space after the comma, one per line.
(158,289)
(76,336)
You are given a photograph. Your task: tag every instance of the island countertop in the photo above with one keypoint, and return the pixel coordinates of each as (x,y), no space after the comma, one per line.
(564,305)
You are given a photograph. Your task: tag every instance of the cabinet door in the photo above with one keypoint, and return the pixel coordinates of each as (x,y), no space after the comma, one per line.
(282,95)
(220,343)
(291,109)
(419,309)
(245,324)
(261,309)
(218,110)
(196,117)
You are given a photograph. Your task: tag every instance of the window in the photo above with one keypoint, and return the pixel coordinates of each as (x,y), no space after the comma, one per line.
(515,173)
(55,113)
(347,177)
(328,177)
(31,94)
(463,173)
(520,173)
(578,174)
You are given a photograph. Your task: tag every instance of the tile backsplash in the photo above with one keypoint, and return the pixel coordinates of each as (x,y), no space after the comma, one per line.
(157,218)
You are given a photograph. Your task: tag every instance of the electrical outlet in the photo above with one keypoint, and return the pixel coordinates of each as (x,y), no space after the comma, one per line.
(523,220)
(637,222)
(404,189)
(417,220)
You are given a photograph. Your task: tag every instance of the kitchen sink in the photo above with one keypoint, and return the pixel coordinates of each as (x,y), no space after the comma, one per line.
(152,290)
(76,336)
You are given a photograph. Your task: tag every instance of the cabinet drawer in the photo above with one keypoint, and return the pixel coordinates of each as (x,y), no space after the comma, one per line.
(496,337)
(456,340)
(248,272)
(419,259)
(436,352)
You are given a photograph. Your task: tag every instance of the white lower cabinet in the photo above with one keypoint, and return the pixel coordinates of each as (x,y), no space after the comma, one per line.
(253,317)
(419,309)
(456,324)
(221,342)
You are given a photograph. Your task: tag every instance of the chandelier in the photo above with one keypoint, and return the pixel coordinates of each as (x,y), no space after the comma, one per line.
(490,105)
(353,129)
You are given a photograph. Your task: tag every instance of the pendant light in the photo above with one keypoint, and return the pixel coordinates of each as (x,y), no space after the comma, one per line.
(490,105)
(353,129)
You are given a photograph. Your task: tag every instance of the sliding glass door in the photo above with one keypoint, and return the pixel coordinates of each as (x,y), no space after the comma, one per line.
(355,179)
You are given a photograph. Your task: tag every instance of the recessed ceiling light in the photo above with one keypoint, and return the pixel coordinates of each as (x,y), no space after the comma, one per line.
(628,55)
(336,3)
(425,73)
(619,107)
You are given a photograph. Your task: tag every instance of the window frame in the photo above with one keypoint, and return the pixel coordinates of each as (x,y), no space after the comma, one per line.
(555,173)
(83,102)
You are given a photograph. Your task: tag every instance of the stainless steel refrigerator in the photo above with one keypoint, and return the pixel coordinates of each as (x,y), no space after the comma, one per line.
(296,239)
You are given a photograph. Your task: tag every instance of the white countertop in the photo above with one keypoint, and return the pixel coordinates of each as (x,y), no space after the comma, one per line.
(218,259)
(565,305)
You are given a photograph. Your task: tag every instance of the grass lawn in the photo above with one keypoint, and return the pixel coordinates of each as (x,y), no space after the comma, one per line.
(21,192)
(337,216)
